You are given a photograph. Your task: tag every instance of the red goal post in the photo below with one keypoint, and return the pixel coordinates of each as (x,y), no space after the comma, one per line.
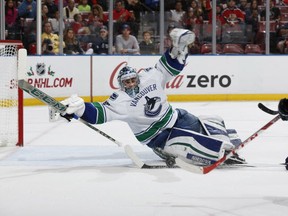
(11,97)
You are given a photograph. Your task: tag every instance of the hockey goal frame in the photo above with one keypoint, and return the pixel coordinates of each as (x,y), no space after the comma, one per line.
(20,141)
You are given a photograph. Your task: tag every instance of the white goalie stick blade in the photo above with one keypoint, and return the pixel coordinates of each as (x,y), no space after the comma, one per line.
(131,154)
(189,167)
(139,163)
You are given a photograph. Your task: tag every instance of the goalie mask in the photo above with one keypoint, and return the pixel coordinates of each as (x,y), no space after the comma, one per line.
(128,80)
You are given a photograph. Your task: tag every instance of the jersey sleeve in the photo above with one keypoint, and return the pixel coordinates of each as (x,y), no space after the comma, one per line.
(168,68)
(101,112)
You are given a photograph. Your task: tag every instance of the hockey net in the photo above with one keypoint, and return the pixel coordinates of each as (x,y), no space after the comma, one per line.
(11,98)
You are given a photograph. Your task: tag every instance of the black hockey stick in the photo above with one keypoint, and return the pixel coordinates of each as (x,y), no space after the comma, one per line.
(267,110)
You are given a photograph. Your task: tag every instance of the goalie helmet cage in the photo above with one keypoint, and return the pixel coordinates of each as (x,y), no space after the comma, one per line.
(11,97)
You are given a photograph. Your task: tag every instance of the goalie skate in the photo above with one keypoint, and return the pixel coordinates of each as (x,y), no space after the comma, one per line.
(168,158)
(235,159)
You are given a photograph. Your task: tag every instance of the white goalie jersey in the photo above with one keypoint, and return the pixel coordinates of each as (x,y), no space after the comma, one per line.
(149,112)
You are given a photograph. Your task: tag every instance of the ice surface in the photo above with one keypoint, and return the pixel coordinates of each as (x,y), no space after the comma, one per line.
(68,169)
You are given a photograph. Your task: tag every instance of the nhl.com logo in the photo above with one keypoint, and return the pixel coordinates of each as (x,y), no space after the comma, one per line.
(42,81)
(41,70)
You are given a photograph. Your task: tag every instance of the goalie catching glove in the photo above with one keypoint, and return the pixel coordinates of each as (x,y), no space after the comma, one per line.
(75,108)
(283,109)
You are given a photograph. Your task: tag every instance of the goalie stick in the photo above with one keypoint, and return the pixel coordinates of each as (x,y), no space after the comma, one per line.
(50,101)
(206,169)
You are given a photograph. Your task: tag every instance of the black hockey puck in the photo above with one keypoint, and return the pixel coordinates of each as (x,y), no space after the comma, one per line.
(286,161)
(170,162)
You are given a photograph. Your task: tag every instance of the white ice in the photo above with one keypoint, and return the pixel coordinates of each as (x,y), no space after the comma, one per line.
(68,169)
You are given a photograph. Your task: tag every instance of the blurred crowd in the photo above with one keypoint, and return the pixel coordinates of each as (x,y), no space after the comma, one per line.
(240,25)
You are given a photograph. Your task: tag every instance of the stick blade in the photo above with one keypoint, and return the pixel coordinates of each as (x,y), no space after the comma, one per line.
(128,150)
(266,109)
(189,167)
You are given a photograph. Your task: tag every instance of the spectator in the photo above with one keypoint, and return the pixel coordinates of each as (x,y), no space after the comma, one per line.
(101,44)
(55,22)
(27,9)
(11,13)
(84,7)
(282,46)
(147,46)
(250,13)
(243,6)
(47,47)
(44,13)
(135,8)
(96,19)
(120,14)
(72,45)
(70,10)
(126,43)
(252,17)
(79,27)
(11,25)
(47,34)
(196,7)
(52,8)
(191,19)
(282,38)
(232,14)
(275,12)
(176,15)
(220,20)
(206,9)
(233,31)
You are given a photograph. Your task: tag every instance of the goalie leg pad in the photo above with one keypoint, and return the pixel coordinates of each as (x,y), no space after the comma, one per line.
(194,147)
(215,127)
(234,138)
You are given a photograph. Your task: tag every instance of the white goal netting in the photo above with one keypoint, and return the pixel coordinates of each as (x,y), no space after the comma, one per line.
(9,110)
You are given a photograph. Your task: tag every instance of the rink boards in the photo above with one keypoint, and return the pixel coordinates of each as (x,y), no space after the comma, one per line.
(204,78)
